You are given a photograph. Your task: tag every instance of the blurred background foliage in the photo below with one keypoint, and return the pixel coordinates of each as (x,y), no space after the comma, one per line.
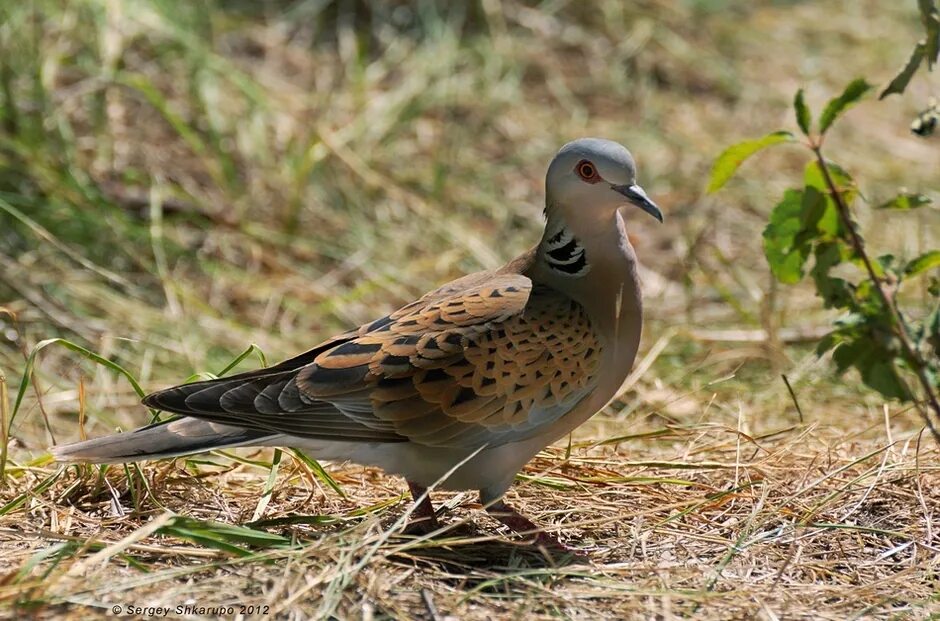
(181,179)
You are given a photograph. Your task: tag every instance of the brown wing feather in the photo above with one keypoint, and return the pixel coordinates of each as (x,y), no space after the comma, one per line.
(486,358)
(490,359)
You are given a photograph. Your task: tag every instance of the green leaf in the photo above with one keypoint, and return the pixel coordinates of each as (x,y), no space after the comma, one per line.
(846,330)
(933,286)
(932,329)
(827,342)
(819,215)
(923,263)
(813,176)
(813,207)
(849,97)
(803,117)
(850,353)
(875,364)
(886,264)
(835,292)
(906,200)
(903,78)
(785,254)
(732,157)
(881,374)
(931,18)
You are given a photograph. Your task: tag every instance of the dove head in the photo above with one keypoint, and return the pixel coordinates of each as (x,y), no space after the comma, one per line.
(594,174)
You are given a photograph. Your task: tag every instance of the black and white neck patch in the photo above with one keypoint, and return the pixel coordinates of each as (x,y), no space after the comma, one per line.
(564,253)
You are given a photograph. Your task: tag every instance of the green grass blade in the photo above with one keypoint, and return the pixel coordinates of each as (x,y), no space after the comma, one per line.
(318,470)
(234,363)
(225,537)
(87,353)
(268,487)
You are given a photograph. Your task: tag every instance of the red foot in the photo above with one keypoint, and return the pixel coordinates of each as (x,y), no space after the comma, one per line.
(423,517)
(521,524)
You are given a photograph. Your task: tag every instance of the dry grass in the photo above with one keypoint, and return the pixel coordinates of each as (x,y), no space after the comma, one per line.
(701,521)
(177,182)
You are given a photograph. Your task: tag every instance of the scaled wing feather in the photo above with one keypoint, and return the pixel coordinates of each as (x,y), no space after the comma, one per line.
(495,360)
(487,358)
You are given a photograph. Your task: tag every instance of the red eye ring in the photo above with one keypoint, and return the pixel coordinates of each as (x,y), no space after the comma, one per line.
(587,171)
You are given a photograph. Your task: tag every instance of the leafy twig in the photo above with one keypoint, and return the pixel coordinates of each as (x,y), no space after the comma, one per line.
(912,356)
(816,221)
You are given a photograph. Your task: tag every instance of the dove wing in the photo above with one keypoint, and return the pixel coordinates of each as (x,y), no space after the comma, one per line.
(481,360)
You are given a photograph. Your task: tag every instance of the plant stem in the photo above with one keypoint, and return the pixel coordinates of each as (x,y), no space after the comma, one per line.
(4,428)
(897,321)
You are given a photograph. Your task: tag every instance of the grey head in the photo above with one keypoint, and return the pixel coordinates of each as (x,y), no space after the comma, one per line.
(595,173)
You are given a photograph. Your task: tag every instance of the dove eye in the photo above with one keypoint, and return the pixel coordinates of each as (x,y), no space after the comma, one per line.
(587,171)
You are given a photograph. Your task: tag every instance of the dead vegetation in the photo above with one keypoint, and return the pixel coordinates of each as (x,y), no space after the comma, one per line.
(697,520)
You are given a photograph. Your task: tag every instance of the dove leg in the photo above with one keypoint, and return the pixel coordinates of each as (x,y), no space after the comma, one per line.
(423,517)
(521,524)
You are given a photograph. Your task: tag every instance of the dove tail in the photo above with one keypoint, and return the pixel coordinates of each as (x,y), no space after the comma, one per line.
(183,436)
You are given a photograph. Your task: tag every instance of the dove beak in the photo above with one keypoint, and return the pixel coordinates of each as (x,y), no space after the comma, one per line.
(637,196)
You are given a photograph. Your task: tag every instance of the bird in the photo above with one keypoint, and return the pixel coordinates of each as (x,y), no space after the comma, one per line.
(460,388)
